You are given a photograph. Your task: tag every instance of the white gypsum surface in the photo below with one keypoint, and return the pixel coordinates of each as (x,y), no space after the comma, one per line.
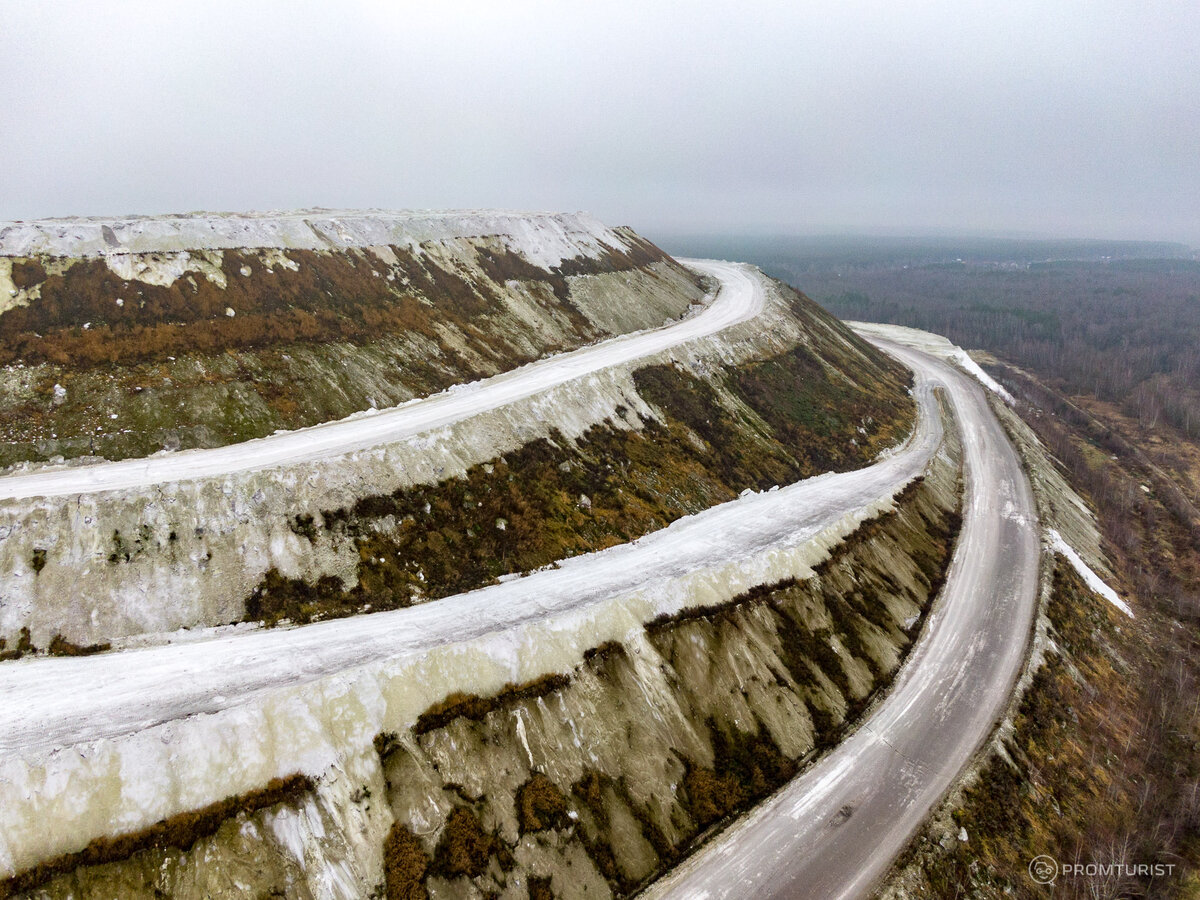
(49,702)
(154,725)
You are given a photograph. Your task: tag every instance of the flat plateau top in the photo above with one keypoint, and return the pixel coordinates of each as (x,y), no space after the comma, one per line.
(308,229)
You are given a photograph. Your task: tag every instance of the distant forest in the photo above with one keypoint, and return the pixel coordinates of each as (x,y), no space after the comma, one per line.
(1116,320)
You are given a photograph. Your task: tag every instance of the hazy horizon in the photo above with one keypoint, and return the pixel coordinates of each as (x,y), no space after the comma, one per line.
(1039,120)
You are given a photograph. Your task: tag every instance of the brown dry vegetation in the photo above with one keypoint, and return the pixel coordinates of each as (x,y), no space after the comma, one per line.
(405,865)
(553,499)
(464,847)
(540,805)
(472,706)
(748,766)
(1107,767)
(343,296)
(177,832)
(59,646)
(180,372)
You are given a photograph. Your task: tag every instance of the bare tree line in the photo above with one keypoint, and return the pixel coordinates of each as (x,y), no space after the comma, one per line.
(1125,331)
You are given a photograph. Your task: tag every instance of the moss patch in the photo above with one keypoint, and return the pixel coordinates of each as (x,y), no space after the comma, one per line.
(464,847)
(541,805)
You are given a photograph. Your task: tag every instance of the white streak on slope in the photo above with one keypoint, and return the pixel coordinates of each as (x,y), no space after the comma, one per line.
(1093,581)
(963,359)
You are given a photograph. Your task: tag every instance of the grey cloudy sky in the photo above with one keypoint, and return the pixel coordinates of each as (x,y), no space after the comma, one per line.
(1042,116)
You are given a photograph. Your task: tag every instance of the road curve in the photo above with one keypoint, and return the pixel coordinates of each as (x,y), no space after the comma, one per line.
(831,833)
(834,831)
(740,298)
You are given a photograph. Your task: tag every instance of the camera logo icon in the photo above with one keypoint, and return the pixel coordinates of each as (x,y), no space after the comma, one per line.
(1043,869)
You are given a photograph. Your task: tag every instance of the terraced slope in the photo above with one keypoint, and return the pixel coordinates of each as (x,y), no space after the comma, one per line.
(493,740)
(573,456)
(712,626)
(122,338)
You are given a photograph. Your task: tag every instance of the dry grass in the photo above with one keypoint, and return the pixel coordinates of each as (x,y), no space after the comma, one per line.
(464,847)
(472,706)
(60,646)
(177,832)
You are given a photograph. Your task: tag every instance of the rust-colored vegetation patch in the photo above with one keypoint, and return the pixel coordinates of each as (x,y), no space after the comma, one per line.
(344,296)
(747,768)
(24,645)
(405,865)
(177,832)
(541,805)
(196,363)
(472,706)
(717,611)
(464,847)
(59,646)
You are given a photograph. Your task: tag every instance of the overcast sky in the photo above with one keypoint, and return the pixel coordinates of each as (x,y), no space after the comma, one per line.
(1036,116)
